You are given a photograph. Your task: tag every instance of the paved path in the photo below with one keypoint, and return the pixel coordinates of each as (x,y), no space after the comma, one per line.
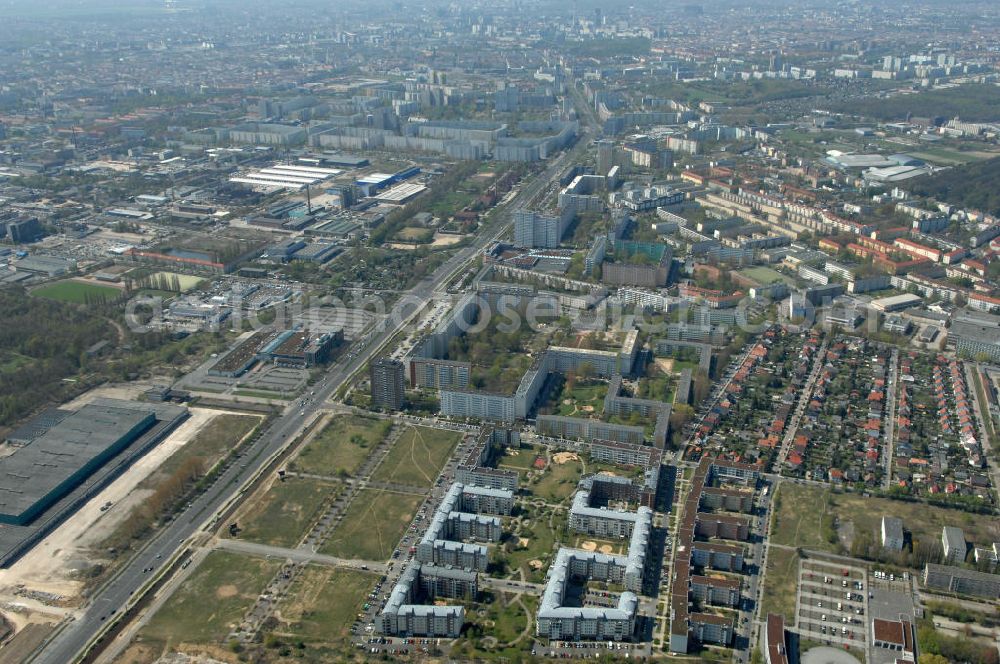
(802,400)
(890,420)
(982,411)
(296,555)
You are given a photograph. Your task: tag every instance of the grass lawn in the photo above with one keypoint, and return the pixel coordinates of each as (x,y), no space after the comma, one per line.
(373,525)
(946,157)
(804,517)
(681,365)
(310,616)
(418,456)
(77,292)
(559,481)
(185,281)
(635,472)
(924,521)
(211,601)
(521,459)
(11,361)
(504,619)
(541,538)
(778,595)
(280,516)
(617,546)
(342,446)
(764,275)
(988,417)
(584,400)
(415,234)
(213,442)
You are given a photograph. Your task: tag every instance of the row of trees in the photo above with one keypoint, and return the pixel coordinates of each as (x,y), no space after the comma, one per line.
(166,496)
(933,645)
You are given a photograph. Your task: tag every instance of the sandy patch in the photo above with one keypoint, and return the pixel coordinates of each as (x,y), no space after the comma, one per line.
(49,566)
(523,542)
(567,402)
(565,457)
(589,545)
(665,364)
(129,391)
(535,564)
(606,548)
(446,239)
(610,473)
(587,409)
(224,592)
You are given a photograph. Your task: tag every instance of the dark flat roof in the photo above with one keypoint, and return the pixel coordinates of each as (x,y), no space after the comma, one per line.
(31,473)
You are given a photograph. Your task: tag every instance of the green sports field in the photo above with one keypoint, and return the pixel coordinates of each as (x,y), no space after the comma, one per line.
(77,292)
(763,275)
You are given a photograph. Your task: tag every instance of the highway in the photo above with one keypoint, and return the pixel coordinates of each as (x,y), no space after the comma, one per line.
(70,640)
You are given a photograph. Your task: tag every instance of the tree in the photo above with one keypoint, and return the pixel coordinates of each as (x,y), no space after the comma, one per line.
(932,659)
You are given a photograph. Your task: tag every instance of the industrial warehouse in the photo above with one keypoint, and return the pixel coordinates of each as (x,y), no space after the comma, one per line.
(62,458)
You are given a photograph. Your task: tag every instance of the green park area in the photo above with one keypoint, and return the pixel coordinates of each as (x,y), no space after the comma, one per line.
(521,459)
(531,545)
(418,456)
(763,275)
(415,234)
(824,519)
(341,446)
(282,514)
(778,592)
(499,630)
(581,398)
(77,292)
(210,603)
(316,627)
(373,525)
(559,481)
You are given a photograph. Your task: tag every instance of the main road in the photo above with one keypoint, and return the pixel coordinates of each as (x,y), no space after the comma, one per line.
(72,638)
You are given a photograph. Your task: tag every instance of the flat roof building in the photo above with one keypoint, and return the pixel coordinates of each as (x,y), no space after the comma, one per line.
(962,581)
(892,533)
(972,334)
(37,475)
(896,302)
(556,621)
(62,458)
(387,377)
(402,616)
(953,544)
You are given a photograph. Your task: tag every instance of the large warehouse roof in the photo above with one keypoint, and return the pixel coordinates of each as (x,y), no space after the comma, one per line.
(48,467)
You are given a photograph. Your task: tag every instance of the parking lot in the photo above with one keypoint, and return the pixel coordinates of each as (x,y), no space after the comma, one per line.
(592,650)
(832,603)
(890,597)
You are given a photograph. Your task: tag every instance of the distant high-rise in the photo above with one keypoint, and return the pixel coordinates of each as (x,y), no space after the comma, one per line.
(537,230)
(25,230)
(605,156)
(387,379)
